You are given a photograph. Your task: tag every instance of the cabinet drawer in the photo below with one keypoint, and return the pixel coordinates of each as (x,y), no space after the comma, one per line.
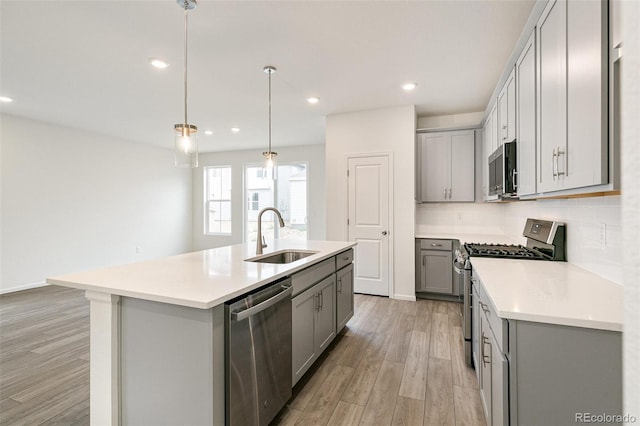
(308,277)
(432,244)
(343,259)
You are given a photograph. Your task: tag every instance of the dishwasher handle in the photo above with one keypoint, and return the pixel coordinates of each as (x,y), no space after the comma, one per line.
(246,313)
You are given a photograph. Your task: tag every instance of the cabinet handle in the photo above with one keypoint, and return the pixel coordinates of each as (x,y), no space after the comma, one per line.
(558,162)
(554,164)
(444,192)
(436,245)
(449,192)
(422,260)
(340,286)
(483,306)
(514,174)
(485,359)
(321,294)
(316,300)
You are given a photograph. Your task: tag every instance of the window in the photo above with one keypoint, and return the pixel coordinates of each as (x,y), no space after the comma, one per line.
(288,194)
(217,183)
(254,201)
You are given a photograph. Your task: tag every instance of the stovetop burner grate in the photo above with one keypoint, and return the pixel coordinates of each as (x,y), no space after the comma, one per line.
(512,251)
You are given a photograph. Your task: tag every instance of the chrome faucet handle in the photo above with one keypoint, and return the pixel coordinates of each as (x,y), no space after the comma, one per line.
(264,243)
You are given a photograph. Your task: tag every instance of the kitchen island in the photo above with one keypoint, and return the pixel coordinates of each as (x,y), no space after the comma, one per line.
(157,329)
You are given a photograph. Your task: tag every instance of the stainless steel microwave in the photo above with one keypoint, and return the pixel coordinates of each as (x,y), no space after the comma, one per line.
(502,171)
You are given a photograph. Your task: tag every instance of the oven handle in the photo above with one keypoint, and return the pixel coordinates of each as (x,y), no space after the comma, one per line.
(246,313)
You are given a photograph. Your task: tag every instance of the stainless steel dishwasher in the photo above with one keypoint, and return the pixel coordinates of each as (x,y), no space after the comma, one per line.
(258,354)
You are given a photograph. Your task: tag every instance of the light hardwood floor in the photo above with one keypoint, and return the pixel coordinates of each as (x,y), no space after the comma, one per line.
(396,363)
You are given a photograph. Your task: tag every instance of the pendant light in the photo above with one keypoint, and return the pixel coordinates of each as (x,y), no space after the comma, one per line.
(186,144)
(270,162)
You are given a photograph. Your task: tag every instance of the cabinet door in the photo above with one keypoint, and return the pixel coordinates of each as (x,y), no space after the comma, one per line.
(507,111)
(511,107)
(436,166)
(325,322)
(493,128)
(475,329)
(437,267)
(463,173)
(344,296)
(586,159)
(485,160)
(526,121)
(485,362)
(499,386)
(552,94)
(303,315)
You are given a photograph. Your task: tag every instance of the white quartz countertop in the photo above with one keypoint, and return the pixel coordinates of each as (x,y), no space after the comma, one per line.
(550,292)
(468,237)
(201,279)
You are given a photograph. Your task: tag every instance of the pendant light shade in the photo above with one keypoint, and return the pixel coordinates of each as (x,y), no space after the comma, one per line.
(270,157)
(186,143)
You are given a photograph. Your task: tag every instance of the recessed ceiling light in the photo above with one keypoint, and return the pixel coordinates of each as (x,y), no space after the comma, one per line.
(235,129)
(313,100)
(409,86)
(158,63)
(5,99)
(208,132)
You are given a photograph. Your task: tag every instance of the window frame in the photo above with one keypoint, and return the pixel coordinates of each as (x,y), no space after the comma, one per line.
(207,200)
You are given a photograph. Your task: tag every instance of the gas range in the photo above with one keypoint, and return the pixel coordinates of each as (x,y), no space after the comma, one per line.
(545,241)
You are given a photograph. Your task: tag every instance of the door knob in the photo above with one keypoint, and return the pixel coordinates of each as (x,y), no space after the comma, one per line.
(384,232)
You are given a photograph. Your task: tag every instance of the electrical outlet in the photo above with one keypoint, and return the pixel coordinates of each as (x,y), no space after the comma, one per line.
(460,216)
(138,250)
(603,234)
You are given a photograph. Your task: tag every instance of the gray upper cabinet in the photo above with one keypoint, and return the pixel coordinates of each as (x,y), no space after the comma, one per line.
(447,172)
(507,111)
(572,95)
(525,76)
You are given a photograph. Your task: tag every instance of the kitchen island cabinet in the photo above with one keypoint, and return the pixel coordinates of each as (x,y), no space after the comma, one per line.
(157,329)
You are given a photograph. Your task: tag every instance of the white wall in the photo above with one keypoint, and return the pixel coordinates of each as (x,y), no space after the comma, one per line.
(630,144)
(585,218)
(73,200)
(464,218)
(376,131)
(313,155)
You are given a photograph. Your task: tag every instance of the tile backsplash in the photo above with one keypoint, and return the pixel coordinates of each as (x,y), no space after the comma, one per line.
(594,226)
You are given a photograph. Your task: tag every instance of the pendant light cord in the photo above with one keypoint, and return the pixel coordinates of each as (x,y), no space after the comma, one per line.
(270,112)
(185,62)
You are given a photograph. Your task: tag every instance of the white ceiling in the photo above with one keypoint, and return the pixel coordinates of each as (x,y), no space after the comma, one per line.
(85,64)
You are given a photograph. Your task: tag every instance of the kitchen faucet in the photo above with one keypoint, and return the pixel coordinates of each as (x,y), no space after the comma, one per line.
(260,243)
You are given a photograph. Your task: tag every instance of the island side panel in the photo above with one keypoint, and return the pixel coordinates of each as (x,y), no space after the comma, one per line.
(172,364)
(558,372)
(104,358)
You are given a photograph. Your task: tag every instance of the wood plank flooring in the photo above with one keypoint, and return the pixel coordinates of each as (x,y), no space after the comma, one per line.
(396,363)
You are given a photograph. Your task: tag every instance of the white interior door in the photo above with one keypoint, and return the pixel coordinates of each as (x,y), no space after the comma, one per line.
(369,223)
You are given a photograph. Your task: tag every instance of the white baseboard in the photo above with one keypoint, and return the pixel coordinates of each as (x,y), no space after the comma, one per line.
(22,287)
(407,297)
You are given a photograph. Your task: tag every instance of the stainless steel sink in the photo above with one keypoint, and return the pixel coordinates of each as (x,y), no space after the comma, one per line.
(284,256)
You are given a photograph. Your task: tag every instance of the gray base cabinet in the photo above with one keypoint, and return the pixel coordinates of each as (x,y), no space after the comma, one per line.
(544,374)
(344,296)
(314,325)
(434,267)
